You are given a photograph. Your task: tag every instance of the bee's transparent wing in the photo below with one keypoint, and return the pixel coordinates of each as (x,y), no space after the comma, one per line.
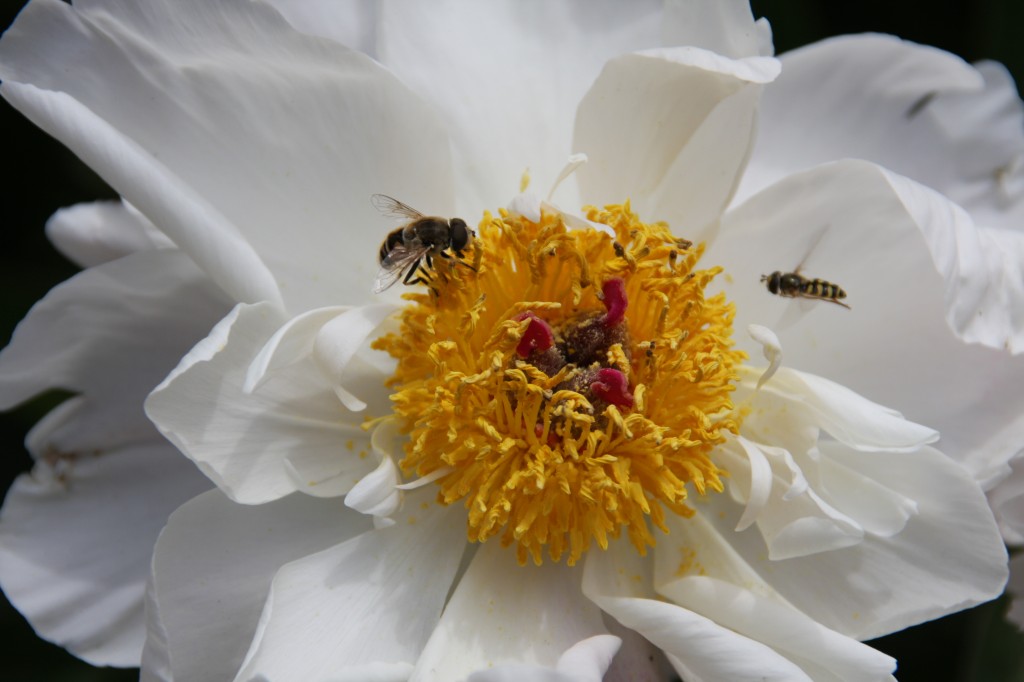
(394,208)
(394,266)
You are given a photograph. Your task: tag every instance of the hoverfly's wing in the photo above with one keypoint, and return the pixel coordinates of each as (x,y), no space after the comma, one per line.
(815,240)
(394,208)
(395,265)
(795,310)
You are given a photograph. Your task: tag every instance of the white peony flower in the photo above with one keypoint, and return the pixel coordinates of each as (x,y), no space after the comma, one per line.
(678,505)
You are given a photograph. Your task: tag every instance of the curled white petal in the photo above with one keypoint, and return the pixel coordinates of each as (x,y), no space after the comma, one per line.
(378,493)
(760,484)
(293,341)
(770,346)
(574,162)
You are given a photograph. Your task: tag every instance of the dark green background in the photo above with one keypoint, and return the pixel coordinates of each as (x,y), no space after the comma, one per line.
(40,176)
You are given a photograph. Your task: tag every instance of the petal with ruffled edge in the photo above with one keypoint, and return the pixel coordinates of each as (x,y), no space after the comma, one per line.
(697,569)
(74,562)
(362,608)
(214,546)
(619,581)
(109,334)
(916,110)
(861,96)
(870,232)
(94,233)
(253,444)
(219,120)
(947,557)
(503,613)
(802,500)
(671,130)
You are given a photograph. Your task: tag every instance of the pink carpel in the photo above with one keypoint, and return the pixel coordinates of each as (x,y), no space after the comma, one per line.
(615,301)
(537,337)
(612,386)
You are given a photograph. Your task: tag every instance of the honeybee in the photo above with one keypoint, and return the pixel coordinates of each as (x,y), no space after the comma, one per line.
(795,285)
(408,252)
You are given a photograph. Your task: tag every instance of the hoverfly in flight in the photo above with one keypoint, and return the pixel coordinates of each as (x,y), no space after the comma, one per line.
(794,285)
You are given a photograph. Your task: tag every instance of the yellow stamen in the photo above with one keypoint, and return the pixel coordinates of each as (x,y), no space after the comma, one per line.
(563,422)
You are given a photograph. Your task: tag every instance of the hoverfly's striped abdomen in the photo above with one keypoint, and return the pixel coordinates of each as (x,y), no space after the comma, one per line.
(819,288)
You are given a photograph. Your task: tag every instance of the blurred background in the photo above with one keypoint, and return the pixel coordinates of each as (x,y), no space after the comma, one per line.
(40,176)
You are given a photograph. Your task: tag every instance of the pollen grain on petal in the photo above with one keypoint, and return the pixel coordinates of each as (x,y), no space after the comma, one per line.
(571,384)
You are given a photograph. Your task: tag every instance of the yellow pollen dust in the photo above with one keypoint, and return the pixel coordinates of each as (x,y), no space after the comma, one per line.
(571,384)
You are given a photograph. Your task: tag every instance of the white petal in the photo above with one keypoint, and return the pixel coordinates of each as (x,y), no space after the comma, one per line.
(289,344)
(212,546)
(671,130)
(341,338)
(846,416)
(708,650)
(243,441)
(771,348)
(184,216)
(903,305)
(919,111)
(506,78)
(110,333)
(779,626)
(793,519)
(638,659)
(760,487)
(156,654)
(853,96)
(94,233)
(75,544)
(1007,500)
(947,558)
(585,661)
(877,508)
(366,602)
(194,110)
(505,613)
(352,23)
(377,492)
(723,26)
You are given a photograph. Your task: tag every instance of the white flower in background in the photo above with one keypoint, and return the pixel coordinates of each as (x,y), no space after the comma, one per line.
(801,517)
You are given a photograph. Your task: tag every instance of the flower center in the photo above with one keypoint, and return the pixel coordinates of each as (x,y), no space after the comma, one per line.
(569,384)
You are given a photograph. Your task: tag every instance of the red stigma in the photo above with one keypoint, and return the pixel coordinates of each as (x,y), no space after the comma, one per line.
(615,302)
(537,337)
(612,386)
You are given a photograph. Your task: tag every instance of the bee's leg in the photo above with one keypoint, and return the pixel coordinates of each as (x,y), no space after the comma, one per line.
(416,275)
(459,260)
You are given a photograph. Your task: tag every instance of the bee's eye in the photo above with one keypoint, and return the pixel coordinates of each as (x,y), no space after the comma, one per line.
(460,233)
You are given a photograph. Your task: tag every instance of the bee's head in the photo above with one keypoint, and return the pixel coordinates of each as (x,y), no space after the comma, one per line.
(773,281)
(461,234)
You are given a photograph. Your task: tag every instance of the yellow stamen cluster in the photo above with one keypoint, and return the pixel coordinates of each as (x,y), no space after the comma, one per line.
(537,457)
